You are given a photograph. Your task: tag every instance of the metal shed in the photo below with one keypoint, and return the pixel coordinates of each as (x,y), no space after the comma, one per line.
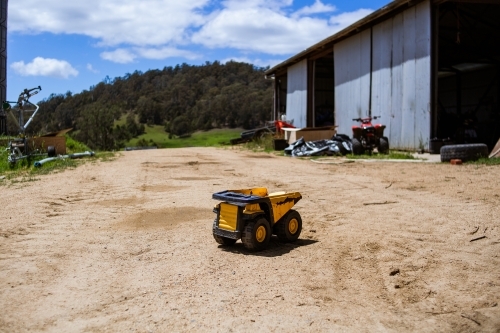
(429,68)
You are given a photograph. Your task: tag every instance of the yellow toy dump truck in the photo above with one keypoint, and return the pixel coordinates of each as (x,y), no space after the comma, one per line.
(253,215)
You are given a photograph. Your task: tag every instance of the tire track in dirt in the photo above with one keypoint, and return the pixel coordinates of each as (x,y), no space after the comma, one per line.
(131,248)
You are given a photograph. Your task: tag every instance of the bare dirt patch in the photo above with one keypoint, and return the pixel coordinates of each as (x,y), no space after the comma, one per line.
(126,245)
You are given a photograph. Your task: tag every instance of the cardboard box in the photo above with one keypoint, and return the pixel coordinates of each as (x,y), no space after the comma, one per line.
(309,133)
(42,142)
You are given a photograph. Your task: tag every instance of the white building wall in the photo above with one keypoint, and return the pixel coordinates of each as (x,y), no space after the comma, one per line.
(400,69)
(423,76)
(352,80)
(296,97)
(401,77)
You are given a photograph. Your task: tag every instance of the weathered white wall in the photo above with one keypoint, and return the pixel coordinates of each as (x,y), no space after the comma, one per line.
(401,77)
(296,98)
(386,68)
(352,80)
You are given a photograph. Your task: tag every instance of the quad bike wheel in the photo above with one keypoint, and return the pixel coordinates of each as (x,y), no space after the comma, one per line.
(223,240)
(256,235)
(383,145)
(289,227)
(357,147)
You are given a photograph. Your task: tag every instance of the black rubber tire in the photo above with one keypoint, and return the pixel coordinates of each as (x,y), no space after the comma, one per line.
(383,145)
(465,152)
(357,147)
(222,240)
(283,227)
(249,236)
(51,151)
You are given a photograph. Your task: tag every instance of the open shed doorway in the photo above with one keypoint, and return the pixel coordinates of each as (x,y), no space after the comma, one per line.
(324,92)
(468,72)
(280,95)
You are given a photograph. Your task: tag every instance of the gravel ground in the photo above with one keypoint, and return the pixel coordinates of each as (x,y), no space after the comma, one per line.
(126,246)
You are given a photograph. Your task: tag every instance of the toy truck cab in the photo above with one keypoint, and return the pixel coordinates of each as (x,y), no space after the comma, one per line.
(253,215)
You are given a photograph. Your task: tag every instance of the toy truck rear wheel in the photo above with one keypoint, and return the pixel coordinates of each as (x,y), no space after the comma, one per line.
(256,234)
(289,227)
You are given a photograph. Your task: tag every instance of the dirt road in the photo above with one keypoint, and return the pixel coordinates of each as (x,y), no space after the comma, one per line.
(126,246)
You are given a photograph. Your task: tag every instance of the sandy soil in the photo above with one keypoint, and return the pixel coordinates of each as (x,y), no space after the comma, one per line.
(126,246)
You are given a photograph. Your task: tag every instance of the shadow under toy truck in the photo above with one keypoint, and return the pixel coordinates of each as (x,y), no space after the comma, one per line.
(253,215)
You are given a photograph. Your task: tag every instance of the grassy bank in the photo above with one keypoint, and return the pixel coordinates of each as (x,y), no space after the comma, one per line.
(156,136)
(24,170)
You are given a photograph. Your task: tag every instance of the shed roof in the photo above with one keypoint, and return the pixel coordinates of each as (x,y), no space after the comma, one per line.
(381,14)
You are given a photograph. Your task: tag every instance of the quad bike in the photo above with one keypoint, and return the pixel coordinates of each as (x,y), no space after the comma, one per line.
(253,215)
(367,137)
(20,147)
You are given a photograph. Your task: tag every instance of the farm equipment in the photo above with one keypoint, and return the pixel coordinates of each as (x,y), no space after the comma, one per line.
(253,215)
(367,137)
(20,148)
(272,128)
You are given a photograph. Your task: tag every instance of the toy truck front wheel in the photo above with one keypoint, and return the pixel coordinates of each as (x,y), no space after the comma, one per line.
(256,234)
(221,239)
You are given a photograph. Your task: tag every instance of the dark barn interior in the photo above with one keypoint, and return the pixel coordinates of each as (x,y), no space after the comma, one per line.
(468,72)
(324,91)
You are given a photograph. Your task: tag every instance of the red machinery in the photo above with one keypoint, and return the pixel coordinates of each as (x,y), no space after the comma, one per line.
(367,136)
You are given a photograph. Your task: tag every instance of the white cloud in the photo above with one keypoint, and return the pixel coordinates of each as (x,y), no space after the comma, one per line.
(317,8)
(120,56)
(91,69)
(274,5)
(159,29)
(124,56)
(45,67)
(344,20)
(140,23)
(165,52)
(268,31)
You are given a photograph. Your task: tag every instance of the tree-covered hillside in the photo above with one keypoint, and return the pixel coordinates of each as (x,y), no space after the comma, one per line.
(183,99)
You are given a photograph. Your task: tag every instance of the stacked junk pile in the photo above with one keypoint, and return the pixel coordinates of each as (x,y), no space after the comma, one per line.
(338,145)
(365,138)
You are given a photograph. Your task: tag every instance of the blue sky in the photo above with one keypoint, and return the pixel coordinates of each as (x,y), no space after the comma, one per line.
(71,45)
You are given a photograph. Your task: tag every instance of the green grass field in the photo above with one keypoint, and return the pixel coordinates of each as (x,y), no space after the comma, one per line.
(24,169)
(393,155)
(156,135)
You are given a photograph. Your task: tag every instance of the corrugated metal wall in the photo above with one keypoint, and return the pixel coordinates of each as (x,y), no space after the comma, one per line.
(296,98)
(352,80)
(400,79)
